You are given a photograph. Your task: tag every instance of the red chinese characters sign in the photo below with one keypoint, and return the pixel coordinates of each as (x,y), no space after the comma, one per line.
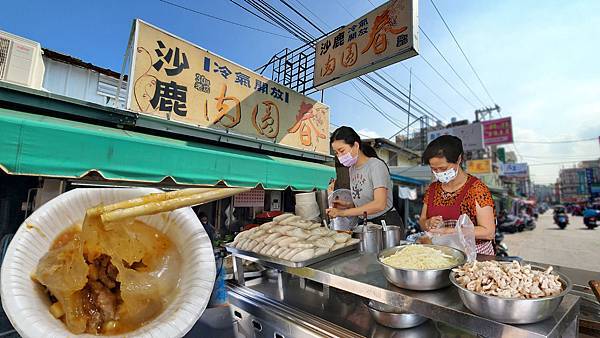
(497,131)
(383,36)
(176,80)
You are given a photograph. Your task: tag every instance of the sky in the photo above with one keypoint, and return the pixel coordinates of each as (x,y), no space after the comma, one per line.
(538,60)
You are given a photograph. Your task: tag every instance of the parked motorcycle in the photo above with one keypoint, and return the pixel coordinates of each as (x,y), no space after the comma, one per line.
(510,224)
(500,248)
(528,222)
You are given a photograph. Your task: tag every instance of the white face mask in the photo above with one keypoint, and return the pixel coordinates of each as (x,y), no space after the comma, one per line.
(446,176)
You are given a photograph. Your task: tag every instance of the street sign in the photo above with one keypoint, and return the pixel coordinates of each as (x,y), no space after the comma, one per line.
(479,166)
(385,35)
(497,131)
(176,80)
(520,170)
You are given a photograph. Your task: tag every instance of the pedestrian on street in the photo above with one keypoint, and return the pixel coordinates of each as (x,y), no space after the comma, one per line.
(455,193)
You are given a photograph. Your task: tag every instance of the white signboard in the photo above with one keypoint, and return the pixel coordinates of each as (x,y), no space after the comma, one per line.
(386,35)
(514,169)
(471,135)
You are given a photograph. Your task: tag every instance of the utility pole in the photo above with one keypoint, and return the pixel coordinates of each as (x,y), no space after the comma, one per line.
(486,113)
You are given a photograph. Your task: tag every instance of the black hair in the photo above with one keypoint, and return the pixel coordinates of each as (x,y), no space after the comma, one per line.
(202,214)
(446,146)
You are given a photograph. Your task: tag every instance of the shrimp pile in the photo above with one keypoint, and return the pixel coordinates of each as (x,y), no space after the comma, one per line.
(508,280)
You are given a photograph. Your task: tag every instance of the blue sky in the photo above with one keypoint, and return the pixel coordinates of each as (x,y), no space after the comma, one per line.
(539,60)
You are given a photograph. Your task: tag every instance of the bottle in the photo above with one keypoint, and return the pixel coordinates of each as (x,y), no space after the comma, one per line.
(365,220)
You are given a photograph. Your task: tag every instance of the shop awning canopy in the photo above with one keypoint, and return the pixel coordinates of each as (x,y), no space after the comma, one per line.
(408,180)
(45,146)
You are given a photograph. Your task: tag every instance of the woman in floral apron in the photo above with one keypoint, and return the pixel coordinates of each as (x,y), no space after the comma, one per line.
(455,193)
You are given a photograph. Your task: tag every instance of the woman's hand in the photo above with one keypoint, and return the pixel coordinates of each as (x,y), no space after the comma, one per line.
(433,223)
(443,231)
(342,204)
(335,212)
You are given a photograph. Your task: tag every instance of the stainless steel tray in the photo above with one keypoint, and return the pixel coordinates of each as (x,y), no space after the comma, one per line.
(266,259)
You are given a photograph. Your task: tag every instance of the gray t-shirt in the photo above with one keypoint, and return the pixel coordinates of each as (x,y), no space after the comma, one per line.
(364,180)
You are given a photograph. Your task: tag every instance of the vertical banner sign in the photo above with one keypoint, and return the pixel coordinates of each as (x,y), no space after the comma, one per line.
(179,81)
(497,131)
(379,38)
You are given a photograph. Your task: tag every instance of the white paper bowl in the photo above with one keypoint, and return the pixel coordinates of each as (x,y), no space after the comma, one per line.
(27,307)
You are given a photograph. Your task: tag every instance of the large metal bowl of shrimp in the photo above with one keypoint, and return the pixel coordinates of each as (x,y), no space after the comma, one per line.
(509,292)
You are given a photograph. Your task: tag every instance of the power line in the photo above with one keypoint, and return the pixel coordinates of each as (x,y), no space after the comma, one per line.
(462,51)
(556,156)
(377,72)
(447,82)
(254,14)
(416,98)
(302,16)
(379,110)
(556,163)
(420,109)
(451,67)
(555,142)
(345,9)
(311,12)
(424,84)
(431,90)
(224,20)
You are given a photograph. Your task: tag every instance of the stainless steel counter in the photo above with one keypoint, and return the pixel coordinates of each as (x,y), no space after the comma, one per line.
(339,314)
(360,274)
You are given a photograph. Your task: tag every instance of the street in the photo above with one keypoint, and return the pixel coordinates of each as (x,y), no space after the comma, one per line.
(575,247)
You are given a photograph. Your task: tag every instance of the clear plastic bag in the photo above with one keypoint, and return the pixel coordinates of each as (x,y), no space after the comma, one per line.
(463,239)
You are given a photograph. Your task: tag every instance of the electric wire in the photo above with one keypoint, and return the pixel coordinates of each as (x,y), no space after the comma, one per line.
(451,67)
(463,52)
(224,20)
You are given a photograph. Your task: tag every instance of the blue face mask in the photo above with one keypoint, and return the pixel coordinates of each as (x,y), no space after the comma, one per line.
(446,176)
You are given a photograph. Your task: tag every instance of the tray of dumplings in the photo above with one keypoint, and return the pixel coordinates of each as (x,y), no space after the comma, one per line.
(291,241)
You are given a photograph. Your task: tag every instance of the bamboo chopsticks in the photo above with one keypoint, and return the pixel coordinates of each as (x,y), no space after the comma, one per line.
(162,202)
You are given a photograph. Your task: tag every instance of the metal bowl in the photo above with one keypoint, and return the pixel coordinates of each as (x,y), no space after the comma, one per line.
(512,310)
(420,280)
(393,317)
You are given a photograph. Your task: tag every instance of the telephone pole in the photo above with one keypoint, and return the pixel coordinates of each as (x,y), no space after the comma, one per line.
(486,113)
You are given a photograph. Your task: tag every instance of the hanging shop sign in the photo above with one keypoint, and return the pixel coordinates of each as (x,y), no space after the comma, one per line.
(471,135)
(379,38)
(514,170)
(479,166)
(179,81)
(497,131)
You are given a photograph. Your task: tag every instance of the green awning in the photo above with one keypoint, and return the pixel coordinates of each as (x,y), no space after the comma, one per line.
(45,146)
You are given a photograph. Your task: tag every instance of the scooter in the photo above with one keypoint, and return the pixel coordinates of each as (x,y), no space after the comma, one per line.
(561,220)
(500,248)
(509,224)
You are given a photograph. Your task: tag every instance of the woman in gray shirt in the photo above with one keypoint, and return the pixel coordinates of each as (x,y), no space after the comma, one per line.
(370,180)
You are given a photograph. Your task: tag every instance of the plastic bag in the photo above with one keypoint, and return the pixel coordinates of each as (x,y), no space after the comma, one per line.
(463,239)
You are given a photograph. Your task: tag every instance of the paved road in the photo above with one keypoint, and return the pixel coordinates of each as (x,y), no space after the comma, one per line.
(575,247)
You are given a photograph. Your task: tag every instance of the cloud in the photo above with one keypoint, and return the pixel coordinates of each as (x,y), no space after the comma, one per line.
(367,133)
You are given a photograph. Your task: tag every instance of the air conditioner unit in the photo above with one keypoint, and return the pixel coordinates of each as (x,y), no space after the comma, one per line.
(21,61)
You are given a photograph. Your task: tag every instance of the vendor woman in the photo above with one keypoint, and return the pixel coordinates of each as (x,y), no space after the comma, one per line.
(455,193)
(370,180)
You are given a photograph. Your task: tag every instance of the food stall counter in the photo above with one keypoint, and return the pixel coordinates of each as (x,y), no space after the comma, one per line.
(362,275)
